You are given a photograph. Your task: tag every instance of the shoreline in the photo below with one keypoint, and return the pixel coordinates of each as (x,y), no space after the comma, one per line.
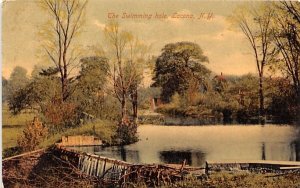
(38,164)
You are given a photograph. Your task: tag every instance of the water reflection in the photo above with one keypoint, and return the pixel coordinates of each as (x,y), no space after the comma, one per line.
(296,145)
(263,151)
(196,144)
(177,157)
(129,155)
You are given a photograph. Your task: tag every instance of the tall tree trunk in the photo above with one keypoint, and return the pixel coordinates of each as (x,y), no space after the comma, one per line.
(124,113)
(298,108)
(135,105)
(261,101)
(66,16)
(64,88)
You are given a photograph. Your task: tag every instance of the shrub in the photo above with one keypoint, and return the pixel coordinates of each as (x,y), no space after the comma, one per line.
(32,136)
(60,114)
(126,133)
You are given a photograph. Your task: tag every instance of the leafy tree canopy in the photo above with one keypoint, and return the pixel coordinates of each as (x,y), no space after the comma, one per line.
(89,92)
(178,69)
(18,78)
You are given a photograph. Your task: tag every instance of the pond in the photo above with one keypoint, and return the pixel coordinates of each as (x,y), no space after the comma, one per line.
(197,144)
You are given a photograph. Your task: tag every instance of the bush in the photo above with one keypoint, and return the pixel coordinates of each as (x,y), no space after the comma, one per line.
(32,136)
(242,116)
(126,133)
(60,114)
(8,152)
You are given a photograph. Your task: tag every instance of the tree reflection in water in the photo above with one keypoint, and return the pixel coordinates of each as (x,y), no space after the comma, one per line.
(193,158)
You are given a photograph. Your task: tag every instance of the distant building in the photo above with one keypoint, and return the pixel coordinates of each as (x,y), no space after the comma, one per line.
(155,102)
(219,82)
(220,78)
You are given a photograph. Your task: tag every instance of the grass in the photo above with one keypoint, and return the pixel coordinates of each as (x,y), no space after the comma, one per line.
(244,179)
(12,126)
(236,179)
(101,128)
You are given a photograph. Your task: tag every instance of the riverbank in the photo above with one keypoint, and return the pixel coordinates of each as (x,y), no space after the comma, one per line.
(243,179)
(164,118)
(44,169)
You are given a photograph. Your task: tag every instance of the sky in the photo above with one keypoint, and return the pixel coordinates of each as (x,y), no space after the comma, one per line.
(227,49)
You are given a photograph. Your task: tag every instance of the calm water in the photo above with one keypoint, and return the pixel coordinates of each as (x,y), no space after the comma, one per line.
(196,144)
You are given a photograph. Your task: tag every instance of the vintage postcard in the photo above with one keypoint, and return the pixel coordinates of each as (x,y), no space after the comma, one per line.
(151,93)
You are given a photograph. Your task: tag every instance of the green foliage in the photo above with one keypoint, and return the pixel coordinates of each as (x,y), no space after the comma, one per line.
(18,101)
(126,133)
(244,91)
(128,60)
(4,89)
(175,107)
(178,69)
(37,92)
(15,85)
(18,78)
(235,98)
(145,94)
(111,109)
(219,83)
(93,74)
(8,152)
(232,98)
(281,100)
(89,94)
(103,129)
(12,126)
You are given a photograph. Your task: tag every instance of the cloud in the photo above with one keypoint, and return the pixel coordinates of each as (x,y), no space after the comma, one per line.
(99,24)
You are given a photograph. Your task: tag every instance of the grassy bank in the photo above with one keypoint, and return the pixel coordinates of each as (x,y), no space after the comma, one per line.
(237,180)
(13,126)
(244,179)
(101,128)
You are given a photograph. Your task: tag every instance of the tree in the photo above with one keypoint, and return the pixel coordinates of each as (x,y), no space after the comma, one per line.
(35,92)
(33,135)
(127,53)
(59,38)
(178,69)
(286,34)
(60,114)
(255,23)
(282,105)
(91,84)
(16,83)
(134,69)
(293,8)
(243,91)
(118,41)
(4,89)
(34,95)
(18,79)
(219,83)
